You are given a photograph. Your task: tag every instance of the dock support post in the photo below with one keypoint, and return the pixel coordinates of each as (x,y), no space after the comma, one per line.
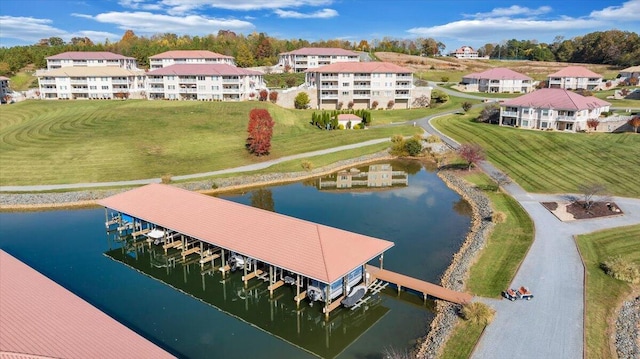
(297,291)
(327,299)
(271,281)
(381,260)
(245,271)
(399,289)
(223,263)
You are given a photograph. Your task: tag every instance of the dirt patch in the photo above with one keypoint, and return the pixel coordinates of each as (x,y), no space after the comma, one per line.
(569,211)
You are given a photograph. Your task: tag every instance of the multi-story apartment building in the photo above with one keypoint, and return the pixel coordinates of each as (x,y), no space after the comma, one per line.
(206,82)
(90,75)
(307,58)
(575,77)
(365,84)
(465,52)
(4,89)
(90,59)
(178,57)
(556,109)
(498,80)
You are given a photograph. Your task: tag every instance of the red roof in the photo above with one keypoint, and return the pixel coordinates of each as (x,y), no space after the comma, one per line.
(462,49)
(348,116)
(556,99)
(190,54)
(575,71)
(202,69)
(39,318)
(2,78)
(88,55)
(498,73)
(321,51)
(361,67)
(310,249)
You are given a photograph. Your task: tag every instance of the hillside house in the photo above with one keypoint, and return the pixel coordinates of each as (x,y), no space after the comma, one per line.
(574,78)
(498,80)
(307,58)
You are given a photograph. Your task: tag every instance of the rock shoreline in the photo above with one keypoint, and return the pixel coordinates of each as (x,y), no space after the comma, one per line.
(627,334)
(456,274)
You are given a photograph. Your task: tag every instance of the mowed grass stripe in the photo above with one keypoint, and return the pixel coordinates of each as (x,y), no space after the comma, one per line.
(50,142)
(551,161)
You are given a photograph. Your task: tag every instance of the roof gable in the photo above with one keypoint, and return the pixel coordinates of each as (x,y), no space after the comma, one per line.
(556,99)
(575,71)
(88,55)
(498,73)
(189,54)
(313,250)
(321,51)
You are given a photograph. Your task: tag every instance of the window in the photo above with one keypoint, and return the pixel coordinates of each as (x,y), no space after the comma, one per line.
(544,124)
(215,88)
(105,87)
(346,93)
(345,84)
(202,87)
(201,78)
(171,87)
(388,75)
(525,123)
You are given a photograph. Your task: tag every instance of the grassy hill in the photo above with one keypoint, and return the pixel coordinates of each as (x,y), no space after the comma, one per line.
(50,142)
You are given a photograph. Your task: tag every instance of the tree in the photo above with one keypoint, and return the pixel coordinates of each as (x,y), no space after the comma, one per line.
(477,313)
(5,68)
(263,95)
(273,96)
(413,146)
(438,96)
(260,130)
(589,192)
(55,41)
(301,101)
(635,123)
(466,106)
(421,101)
(490,114)
(593,123)
(244,57)
(263,198)
(472,153)
(374,105)
(390,104)
(128,36)
(500,179)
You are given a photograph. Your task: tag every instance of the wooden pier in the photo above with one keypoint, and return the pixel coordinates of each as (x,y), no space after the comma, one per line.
(426,288)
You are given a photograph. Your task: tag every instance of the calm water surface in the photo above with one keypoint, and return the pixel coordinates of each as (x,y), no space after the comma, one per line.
(203,316)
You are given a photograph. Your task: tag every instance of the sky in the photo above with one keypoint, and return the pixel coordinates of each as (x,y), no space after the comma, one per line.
(452,22)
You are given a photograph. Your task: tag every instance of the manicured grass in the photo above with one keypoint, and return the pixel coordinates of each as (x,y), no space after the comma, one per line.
(48,142)
(604,293)
(23,81)
(462,341)
(553,162)
(507,247)
(280,80)
(624,103)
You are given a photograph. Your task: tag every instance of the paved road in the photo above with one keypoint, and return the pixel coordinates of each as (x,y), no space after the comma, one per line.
(551,325)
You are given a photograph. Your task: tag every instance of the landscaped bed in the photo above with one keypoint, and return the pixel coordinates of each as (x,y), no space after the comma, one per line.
(569,211)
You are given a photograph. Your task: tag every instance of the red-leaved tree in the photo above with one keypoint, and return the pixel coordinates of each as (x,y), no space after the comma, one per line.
(593,123)
(260,130)
(471,153)
(635,123)
(263,94)
(273,96)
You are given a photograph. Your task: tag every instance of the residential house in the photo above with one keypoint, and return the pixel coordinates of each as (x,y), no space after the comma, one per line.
(179,57)
(498,80)
(552,108)
(363,83)
(464,52)
(206,82)
(4,89)
(307,58)
(629,72)
(574,78)
(348,120)
(90,59)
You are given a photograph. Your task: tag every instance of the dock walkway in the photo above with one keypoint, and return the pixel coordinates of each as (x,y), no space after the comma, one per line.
(426,288)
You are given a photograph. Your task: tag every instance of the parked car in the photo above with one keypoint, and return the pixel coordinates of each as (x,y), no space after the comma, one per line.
(524,293)
(510,294)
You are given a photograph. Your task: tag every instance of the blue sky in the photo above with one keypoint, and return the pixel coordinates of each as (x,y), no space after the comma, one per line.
(453,22)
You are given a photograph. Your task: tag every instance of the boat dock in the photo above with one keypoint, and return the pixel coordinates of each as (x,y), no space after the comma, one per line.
(426,288)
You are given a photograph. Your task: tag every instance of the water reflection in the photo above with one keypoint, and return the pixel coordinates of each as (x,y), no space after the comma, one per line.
(375,176)
(304,326)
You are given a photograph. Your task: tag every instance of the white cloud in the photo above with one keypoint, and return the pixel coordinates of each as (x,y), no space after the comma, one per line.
(97,36)
(511,11)
(140,5)
(629,11)
(28,28)
(320,14)
(178,7)
(150,23)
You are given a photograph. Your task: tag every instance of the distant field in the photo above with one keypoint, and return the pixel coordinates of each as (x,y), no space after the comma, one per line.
(604,293)
(553,162)
(52,142)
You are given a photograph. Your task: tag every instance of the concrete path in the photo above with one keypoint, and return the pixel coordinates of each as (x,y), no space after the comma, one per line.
(551,325)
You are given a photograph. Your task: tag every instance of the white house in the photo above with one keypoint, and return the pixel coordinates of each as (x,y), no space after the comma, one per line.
(575,77)
(206,82)
(629,72)
(4,88)
(464,52)
(498,80)
(90,59)
(313,57)
(175,57)
(363,83)
(552,108)
(90,83)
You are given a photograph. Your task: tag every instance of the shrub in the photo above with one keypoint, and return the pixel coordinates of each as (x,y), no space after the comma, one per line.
(374,105)
(301,101)
(214,185)
(390,104)
(466,106)
(350,105)
(477,313)
(339,105)
(621,269)
(340,127)
(263,95)
(290,81)
(165,179)
(307,165)
(438,96)
(273,96)
(499,217)
(433,139)
(444,79)
(413,146)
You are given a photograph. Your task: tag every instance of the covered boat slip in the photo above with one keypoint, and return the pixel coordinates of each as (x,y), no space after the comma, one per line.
(270,246)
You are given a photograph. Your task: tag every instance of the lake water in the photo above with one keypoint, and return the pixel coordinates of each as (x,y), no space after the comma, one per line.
(203,316)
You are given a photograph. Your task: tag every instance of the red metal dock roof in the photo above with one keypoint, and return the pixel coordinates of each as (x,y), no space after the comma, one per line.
(313,250)
(41,319)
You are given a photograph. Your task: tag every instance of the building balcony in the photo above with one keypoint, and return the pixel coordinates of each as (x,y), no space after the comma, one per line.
(362,78)
(155,80)
(49,90)
(566,118)
(47,82)
(120,82)
(335,87)
(231,81)
(327,96)
(188,90)
(328,78)
(361,95)
(79,82)
(403,95)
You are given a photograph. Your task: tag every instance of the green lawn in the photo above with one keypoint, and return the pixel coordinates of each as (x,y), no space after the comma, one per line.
(49,142)
(605,293)
(23,81)
(624,103)
(553,162)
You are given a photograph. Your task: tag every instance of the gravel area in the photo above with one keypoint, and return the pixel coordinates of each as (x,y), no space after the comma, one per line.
(628,330)
(456,274)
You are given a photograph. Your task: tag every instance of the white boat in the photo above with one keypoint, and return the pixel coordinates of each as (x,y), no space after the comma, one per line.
(316,291)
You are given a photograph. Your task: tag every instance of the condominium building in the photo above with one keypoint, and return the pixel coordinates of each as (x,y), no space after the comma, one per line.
(90,83)
(363,85)
(307,58)
(464,52)
(575,77)
(90,59)
(552,109)
(498,80)
(206,82)
(178,57)
(4,89)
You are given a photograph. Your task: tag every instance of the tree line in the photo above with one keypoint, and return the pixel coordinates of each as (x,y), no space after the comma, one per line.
(613,47)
